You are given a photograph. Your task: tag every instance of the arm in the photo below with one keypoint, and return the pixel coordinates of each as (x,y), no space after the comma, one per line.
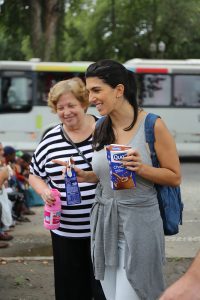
(4,174)
(82,176)
(188,286)
(41,188)
(86,176)
(169,172)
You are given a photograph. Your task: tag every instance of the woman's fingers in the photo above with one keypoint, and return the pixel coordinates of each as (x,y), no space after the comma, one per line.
(60,162)
(132,161)
(48,197)
(78,171)
(81,175)
(132,156)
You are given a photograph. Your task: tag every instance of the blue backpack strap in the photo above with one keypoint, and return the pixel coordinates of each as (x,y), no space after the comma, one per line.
(150,137)
(100,121)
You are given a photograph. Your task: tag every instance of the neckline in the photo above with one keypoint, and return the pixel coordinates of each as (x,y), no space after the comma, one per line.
(137,129)
(67,138)
(68,141)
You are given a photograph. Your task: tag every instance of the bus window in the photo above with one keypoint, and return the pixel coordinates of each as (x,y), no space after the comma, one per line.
(47,79)
(154,89)
(19,91)
(187,90)
(0,92)
(16,91)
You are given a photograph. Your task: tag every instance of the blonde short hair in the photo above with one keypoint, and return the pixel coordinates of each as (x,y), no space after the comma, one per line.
(75,86)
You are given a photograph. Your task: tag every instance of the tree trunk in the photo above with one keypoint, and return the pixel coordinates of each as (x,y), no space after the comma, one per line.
(51,13)
(44,17)
(36,28)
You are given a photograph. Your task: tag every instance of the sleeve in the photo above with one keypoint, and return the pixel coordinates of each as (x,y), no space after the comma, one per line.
(38,162)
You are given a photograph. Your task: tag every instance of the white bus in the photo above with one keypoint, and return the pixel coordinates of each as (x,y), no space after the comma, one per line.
(24,86)
(171,89)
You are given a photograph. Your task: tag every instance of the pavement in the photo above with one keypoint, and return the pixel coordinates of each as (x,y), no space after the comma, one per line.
(187,242)
(26,266)
(31,239)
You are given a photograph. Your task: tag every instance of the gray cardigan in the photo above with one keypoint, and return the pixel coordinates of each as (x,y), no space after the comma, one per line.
(139,221)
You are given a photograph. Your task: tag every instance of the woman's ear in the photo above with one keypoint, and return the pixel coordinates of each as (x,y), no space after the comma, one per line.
(119,90)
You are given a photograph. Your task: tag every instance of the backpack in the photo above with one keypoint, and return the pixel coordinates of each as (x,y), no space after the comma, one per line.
(169,198)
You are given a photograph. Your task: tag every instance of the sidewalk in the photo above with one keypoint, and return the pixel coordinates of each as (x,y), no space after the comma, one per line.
(33,279)
(26,267)
(30,238)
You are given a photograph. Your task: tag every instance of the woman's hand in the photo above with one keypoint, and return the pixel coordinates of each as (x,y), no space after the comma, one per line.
(5,172)
(85,176)
(42,189)
(48,197)
(4,175)
(132,161)
(82,176)
(61,163)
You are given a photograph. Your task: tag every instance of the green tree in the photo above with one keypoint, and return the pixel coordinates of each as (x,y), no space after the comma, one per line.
(31,27)
(68,30)
(126,29)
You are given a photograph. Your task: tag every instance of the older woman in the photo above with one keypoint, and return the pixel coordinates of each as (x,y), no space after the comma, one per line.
(71,241)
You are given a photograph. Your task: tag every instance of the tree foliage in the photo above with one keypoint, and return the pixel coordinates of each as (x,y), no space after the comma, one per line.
(126,29)
(69,30)
(31,27)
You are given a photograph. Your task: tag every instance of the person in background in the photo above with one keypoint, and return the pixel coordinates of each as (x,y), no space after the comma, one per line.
(74,279)
(16,189)
(4,176)
(9,155)
(127,235)
(188,286)
(3,237)
(22,173)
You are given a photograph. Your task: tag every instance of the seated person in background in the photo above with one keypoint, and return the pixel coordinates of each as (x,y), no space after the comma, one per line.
(15,188)
(22,170)
(31,197)
(22,173)
(5,207)
(3,244)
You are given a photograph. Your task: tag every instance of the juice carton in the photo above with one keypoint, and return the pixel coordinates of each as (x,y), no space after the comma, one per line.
(120,177)
(71,185)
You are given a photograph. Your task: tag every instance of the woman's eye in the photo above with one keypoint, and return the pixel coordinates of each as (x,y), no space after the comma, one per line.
(96,91)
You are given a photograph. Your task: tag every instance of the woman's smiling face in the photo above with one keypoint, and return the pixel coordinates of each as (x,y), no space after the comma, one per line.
(69,110)
(103,96)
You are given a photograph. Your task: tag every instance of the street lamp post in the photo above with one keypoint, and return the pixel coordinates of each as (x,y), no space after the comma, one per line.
(161,48)
(1,3)
(157,49)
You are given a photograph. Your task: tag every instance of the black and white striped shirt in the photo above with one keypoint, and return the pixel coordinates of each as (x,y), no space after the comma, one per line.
(75,219)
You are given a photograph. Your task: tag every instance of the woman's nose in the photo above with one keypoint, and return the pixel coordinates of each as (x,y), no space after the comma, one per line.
(92,98)
(66,111)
